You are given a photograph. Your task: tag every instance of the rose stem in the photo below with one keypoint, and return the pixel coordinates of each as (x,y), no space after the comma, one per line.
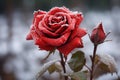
(93,61)
(63,65)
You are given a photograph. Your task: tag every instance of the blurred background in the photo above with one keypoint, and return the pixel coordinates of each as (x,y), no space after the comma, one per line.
(21,59)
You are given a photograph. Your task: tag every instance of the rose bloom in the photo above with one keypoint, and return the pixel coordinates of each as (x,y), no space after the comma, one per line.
(57,29)
(98,35)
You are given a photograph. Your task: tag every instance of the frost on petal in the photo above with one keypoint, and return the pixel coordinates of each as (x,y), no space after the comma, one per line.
(81,32)
(48,33)
(67,48)
(78,17)
(58,9)
(38,13)
(37,19)
(65,16)
(101,32)
(29,36)
(70,27)
(78,32)
(38,41)
(62,28)
(43,46)
(98,35)
(56,41)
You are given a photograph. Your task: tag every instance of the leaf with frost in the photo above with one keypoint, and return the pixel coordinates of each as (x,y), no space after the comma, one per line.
(58,66)
(45,67)
(51,69)
(78,76)
(55,67)
(104,63)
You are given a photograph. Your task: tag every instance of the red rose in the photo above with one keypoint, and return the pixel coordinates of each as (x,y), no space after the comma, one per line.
(98,35)
(57,29)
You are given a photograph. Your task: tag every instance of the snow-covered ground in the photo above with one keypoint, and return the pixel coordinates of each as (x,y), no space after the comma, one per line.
(26,60)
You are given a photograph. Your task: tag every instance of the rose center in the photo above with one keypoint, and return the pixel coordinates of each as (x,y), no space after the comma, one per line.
(57,19)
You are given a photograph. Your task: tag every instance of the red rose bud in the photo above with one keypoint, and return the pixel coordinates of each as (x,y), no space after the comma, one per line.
(98,35)
(57,28)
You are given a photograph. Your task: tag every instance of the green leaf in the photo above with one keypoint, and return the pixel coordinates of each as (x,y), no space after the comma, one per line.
(78,76)
(77,61)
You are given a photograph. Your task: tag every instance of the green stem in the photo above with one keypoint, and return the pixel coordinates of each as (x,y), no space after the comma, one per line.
(93,61)
(63,65)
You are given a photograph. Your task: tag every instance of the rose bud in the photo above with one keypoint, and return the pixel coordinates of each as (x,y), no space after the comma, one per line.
(98,35)
(57,29)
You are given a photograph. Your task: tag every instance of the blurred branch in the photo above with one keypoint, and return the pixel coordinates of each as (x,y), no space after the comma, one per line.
(9,17)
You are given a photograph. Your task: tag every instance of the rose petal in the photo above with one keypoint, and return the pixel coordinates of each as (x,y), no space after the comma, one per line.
(38,41)
(62,28)
(55,26)
(65,15)
(78,17)
(39,12)
(58,9)
(67,19)
(46,19)
(47,32)
(81,32)
(36,23)
(70,27)
(43,46)
(29,36)
(38,18)
(42,24)
(67,48)
(101,32)
(57,18)
(57,41)
(78,32)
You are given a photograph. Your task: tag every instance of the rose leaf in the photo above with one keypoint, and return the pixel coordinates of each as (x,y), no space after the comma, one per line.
(45,67)
(77,61)
(78,76)
(51,69)
(104,63)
